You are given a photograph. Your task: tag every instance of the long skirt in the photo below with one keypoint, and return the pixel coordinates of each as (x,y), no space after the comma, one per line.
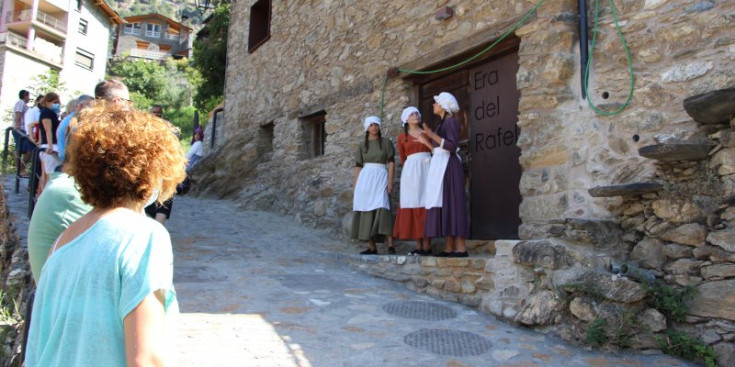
(411,215)
(451,218)
(371,217)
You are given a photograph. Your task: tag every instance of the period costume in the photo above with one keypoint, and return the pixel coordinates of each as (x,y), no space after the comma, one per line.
(415,156)
(445,197)
(372,217)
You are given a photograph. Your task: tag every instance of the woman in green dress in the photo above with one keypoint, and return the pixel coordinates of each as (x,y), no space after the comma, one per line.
(372,219)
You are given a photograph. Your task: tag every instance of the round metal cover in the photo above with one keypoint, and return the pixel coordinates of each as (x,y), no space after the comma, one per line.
(448,342)
(419,310)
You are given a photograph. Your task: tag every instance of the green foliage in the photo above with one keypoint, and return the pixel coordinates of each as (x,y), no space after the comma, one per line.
(670,301)
(168,84)
(596,332)
(45,83)
(183,118)
(683,345)
(8,314)
(210,59)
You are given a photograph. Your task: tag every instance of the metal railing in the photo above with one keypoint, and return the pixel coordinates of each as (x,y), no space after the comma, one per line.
(35,172)
(154,34)
(146,54)
(136,31)
(171,36)
(41,17)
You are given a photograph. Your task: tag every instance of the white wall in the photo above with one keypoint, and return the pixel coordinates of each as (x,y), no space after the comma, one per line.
(16,71)
(78,79)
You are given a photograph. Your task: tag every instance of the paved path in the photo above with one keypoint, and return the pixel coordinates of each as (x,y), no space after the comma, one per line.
(255,289)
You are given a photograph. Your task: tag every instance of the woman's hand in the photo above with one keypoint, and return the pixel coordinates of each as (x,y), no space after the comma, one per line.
(390,188)
(423,140)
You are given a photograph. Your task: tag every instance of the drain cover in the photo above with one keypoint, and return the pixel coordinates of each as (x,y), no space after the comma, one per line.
(448,342)
(419,310)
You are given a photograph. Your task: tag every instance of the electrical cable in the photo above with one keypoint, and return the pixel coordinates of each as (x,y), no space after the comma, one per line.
(589,62)
(511,30)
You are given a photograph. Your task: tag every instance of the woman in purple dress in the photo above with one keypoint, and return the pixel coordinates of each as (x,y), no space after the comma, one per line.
(446,215)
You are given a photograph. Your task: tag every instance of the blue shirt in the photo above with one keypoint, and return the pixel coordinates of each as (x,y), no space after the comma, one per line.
(89,285)
(61,134)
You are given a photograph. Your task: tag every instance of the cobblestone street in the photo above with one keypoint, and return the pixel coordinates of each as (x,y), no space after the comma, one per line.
(256,289)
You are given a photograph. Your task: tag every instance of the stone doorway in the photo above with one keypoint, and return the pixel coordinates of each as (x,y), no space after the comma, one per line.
(488,96)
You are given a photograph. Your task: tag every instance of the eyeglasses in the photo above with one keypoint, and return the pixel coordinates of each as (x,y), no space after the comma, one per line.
(118,100)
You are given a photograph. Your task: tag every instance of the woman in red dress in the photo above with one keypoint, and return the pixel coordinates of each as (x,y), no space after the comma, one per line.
(415,158)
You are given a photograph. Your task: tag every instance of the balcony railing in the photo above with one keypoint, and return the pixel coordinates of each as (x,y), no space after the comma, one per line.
(42,17)
(171,36)
(40,47)
(136,31)
(154,34)
(146,54)
(13,39)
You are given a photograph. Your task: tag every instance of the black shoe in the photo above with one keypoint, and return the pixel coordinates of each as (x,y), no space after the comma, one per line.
(459,254)
(444,254)
(425,252)
(416,253)
(392,250)
(369,252)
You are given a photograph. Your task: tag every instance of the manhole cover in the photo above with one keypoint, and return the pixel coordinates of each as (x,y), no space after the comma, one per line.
(419,310)
(448,342)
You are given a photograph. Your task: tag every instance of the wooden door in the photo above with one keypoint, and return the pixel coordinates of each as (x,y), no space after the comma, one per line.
(495,169)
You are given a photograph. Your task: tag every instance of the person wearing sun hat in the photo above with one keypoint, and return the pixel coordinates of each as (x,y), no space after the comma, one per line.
(374,165)
(415,156)
(446,214)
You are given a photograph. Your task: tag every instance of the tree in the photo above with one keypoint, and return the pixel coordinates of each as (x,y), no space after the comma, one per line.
(210,58)
(170,84)
(46,82)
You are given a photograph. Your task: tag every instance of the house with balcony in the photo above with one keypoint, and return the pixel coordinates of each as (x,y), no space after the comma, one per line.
(69,36)
(154,37)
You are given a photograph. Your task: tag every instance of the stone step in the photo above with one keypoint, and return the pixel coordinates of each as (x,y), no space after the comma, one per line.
(676,151)
(630,189)
(713,107)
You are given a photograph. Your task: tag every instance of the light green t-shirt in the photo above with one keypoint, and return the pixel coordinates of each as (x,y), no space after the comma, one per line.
(59,205)
(89,285)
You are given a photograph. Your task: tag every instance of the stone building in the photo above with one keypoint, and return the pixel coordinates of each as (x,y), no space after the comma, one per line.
(153,37)
(302,76)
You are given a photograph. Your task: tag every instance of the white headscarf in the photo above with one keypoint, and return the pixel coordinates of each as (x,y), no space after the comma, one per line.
(407,112)
(447,102)
(371,120)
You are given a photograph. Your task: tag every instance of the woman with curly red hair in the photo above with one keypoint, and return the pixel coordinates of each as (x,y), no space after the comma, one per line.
(106,293)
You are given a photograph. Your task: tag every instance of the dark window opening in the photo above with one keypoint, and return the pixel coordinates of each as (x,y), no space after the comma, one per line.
(260,24)
(83,26)
(266,138)
(315,135)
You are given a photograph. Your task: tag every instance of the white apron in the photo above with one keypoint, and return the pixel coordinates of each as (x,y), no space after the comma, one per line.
(435,180)
(371,189)
(413,180)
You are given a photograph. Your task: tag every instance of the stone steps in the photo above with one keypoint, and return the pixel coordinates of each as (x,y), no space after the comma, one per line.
(630,189)
(716,107)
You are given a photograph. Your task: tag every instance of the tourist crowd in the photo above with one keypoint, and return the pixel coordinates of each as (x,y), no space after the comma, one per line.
(103,270)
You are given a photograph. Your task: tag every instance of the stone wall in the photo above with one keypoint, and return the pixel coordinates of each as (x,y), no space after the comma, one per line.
(15,285)
(336,61)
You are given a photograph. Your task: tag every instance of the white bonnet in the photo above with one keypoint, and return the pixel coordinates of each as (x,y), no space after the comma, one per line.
(371,120)
(407,112)
(447,102)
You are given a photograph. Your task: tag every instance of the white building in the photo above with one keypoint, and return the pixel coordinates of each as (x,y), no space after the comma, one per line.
(69,36)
